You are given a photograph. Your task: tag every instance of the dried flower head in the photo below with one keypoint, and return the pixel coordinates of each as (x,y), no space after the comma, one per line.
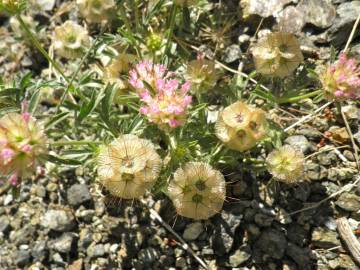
(197,190)
(128,166)
(70,40)
(165,99)
(118,66)
(341,81)
(96,11)
(277,54)
(22,143)
(286,164)
(202,75)
(240,126)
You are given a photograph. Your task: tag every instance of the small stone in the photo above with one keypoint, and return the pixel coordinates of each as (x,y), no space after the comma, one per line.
(58,259)
(283,217)
(95,251)
(302,256)
(315,171)
(349,202)
(320,13)
(340,134)
(327,159)
(240,256)
(21,257)
(351,112)
(231,53)
(180,263)
(273,243)
(78,194)
(291,20)
(310,133)
(58,220)
(85,239)
(39,251)
(301,142)
(23,235)
(64,243)
(263,8)
(324,238)
(193,230)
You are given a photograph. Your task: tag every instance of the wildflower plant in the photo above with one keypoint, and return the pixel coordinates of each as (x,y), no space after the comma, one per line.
(97,11)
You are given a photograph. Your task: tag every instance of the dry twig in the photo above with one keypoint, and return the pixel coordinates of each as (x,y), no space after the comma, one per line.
(349,238)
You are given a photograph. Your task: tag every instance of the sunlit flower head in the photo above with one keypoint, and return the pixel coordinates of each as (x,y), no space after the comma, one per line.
(128,166)
(197,190)
(202,75)
(22,144)
(165,99)
(341,81)
(277,54)
(286,164)
(240,126)
(13,6)
(70,40)
(96,11)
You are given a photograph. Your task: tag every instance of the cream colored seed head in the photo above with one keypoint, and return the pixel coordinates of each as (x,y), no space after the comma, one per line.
(286,164)
(185,3)
(96,11)
(277,54)
(197,190)
(70,40)
(202,75)
(128,166)
(240,126)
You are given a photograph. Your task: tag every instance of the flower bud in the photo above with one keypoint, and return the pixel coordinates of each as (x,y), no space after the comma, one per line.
(70,40)
(128,166)
(240,126)
(202,75)
(286,164)
(22,144)
(96,11)
(341,81)
(277,54)
(197,190)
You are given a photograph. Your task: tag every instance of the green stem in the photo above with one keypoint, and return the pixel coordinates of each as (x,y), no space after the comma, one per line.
(39,46)
(137,17)
(171,27)
(124,18)
(298,98)
(63,143)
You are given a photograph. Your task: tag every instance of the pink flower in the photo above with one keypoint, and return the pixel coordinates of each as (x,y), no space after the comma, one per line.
(13,179)
(165,104)
(6,155)
(341,81)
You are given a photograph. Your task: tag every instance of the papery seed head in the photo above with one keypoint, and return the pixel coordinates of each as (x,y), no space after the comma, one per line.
(97,11)
(128,166)
(197,190)
(202,75)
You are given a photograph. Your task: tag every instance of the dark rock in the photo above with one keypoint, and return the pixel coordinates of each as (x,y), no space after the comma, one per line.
(273,243)
(302,256)
(78,194)
(223,236)
(346,15)
(148,256)
(4,224)
(21,257)
(58,220)
(263,220)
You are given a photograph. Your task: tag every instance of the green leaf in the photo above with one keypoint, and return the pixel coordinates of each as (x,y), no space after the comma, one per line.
(34,101)
(25,81)
(56,119)
(9,92)
(107,101)
(90,107)
(62,161)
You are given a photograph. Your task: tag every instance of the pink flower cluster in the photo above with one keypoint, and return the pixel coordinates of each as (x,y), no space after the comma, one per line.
(165,99)
(341,81)
(21,143)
